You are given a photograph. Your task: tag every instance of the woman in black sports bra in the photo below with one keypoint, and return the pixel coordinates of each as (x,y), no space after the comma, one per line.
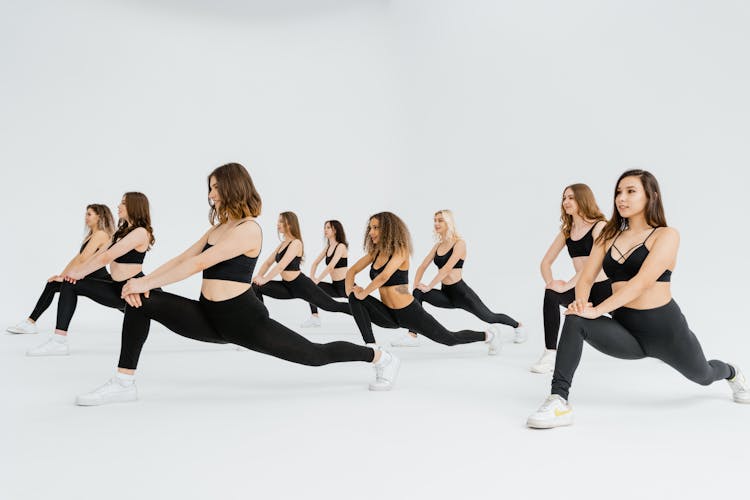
(581,223)
(228,311)
(336,254)
(125,254)
(388,247)
(293,284)
(448,255)
(638,252)
(101,226)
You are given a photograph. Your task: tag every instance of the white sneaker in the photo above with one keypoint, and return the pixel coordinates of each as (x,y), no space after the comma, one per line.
(55,345)
(386,371)
(405,340)
(114,391)
(24,326)
(546,363)
(493,342)
(519,336)
(554,412)
(740,387)
(311,322)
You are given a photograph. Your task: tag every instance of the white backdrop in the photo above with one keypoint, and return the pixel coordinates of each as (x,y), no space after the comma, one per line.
(343,108)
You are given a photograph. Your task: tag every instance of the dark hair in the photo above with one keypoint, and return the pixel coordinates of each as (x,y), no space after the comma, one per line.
(239,198)
(338,231)
(654,209)
(106,221)
(587,207)
(139,214)
(394,235)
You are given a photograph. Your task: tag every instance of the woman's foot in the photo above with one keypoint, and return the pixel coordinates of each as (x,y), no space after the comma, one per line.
(311,322)
(740,387)
(24,326)
(55,345)
(519,334)
(405,340)
(386,371)
(546,363)
(554,412)
(119,389)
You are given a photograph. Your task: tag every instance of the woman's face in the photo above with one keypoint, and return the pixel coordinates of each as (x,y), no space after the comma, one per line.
(373,230)
(439,223)
(569,203)
(328,231)
(122,210)
(92,220)
(213,193)
(281,225)
(630,197)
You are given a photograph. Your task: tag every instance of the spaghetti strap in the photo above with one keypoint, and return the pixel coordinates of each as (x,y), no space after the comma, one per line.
(649,235)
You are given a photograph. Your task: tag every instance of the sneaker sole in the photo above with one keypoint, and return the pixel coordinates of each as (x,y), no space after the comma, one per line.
(19,332)
(549,424)
(741,400)
(404,345)
(128,399)
(519,340)
(47,354)
(541,371)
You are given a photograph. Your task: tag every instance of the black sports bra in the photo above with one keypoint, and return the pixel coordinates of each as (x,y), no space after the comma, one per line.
(132,257)
(582,247)
(239,268)
(293,265)
(632,264)
(441,260)
(400,277)
(343,262)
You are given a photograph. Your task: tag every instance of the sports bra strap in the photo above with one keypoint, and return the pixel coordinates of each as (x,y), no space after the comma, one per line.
(649,235)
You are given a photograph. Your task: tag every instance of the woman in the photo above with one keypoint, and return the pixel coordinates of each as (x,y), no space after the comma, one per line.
(228,311)
(638,252)
(448,255)
(582,222)
(388,247)
(124,256)
(294,284)
(100,225)
(336,255)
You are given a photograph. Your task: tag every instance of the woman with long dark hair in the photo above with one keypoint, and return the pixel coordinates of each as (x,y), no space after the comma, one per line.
(100,225)
(638,252)
(228,310)
(387,250)
(124,256)
(285,261)
(448,255)
(336,254)
(581,222)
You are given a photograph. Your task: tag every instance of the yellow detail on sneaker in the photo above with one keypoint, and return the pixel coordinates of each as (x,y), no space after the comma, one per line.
(559,413)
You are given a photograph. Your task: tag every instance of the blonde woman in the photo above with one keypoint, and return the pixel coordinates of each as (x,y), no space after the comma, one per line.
(101,227)
(448,255)
(388,248)
(581,223)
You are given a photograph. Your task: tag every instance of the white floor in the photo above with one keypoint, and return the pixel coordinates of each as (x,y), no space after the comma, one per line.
(215,422)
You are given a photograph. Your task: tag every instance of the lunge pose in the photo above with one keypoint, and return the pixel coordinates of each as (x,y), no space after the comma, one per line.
(285,261)
(582,222)
(336,255)
(448,255)
(125,254)
(100,225)
(638,252)
(388,248)
(228,311)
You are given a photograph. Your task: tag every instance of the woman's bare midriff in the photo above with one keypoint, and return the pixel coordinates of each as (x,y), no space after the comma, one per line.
(578,263)
(453,277)
(123,272)
(218,290)
(395,297)
(656,295)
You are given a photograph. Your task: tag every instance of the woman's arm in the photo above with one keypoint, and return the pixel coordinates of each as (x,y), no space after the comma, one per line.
(660,256)
(97,239)
(136,238)
(591,269)
(238,241)
(331,265)
(549,258)
(291,252)
(314,266)
(352,272)
(423,266)
(193,250)
(459,252)
(393,264)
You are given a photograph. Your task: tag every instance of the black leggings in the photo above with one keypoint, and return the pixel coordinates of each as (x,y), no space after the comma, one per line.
(242,320)
(553,300)
(660,333)
(460,296)
(102,291)
(333,289)
(53,287)
(303,288)
(371,310)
